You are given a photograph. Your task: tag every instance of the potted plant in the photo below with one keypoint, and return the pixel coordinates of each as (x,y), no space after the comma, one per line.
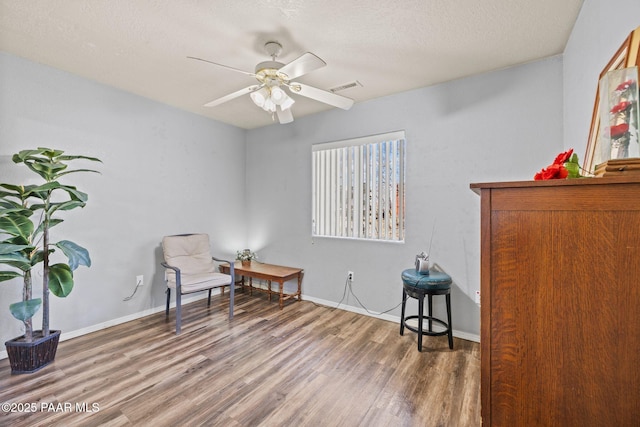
(245,256)
(27,213)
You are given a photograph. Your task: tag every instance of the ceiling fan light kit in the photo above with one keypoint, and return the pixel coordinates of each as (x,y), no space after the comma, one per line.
(268,97)
(274,77)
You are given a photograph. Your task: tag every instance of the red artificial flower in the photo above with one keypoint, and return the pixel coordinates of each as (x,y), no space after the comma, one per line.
(622,106)
(562,158)
(625,85)
(554,171)
(618,130)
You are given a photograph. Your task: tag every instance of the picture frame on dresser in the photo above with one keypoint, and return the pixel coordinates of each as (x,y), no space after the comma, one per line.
(627,55)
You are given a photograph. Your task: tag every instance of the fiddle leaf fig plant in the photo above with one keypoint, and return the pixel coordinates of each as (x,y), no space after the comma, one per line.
(26,217)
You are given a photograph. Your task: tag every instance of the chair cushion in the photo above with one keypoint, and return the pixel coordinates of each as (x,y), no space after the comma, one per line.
(192,255)
(198,282)
(435,280)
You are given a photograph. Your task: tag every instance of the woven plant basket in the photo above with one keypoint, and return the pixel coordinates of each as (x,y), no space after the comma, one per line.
(28,357)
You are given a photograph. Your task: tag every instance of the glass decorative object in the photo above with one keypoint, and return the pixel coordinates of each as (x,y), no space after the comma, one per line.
(619,114)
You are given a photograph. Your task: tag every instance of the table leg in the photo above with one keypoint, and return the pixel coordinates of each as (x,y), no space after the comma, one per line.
(269,289)
(300,286)
(281,295)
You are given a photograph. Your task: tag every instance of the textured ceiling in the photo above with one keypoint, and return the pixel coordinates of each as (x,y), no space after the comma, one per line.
(141,46)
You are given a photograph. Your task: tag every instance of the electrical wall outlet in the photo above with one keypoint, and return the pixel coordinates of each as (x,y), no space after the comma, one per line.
(350,276)
(478,297)
(139,280)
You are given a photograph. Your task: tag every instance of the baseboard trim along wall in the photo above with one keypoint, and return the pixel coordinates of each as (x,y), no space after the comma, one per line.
(395,319)
(113,322)
(104,325)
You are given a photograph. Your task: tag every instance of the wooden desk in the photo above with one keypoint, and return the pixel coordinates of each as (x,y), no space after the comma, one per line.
(270,273)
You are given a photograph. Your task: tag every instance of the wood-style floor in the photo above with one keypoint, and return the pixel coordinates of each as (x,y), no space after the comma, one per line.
(306,365)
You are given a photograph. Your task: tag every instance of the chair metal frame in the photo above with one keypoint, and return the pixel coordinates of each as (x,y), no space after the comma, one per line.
(179,289)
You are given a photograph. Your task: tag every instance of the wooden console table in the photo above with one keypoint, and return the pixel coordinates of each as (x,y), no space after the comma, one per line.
(560,321)
(270,273)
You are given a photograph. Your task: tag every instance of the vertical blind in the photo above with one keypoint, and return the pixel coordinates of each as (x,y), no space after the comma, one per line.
(358,187)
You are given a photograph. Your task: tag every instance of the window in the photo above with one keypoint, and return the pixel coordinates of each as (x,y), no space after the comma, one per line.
(358,188)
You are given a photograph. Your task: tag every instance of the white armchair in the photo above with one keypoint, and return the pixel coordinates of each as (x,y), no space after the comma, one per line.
(190,268)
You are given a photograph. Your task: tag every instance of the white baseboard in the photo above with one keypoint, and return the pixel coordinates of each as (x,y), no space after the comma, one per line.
(395,319)
(113,322)
(109,323)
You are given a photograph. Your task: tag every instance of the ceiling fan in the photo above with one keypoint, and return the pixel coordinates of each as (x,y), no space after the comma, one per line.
(275,85)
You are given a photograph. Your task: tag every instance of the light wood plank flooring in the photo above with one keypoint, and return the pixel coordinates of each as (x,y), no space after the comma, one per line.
(306,365)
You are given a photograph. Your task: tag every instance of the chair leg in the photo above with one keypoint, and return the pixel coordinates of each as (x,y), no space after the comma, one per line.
(178,312)
(449,321)
(209,302)
(430,299)
(168,292)
(404,303)
(232,294)
(420,317)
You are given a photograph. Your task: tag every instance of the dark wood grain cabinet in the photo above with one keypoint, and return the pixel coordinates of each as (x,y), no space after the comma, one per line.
(560,302)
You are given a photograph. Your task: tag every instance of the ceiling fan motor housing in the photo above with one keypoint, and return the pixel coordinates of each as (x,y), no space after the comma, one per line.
(269,70)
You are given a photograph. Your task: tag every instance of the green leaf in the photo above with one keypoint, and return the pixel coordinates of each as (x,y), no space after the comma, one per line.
(66,206)
(7,248)
(16,260)
(37,206)
(60,280)
(8,275)
(16,225)
(14,208)
(24,310)
(573,167)
(17,240)
(44,188)
(52,223)
(50,153)
(42,191)
(49,164)
(49,168)
(13,188)
(13,191)
(25,154)
(76,254)
(78,170)
(44,174)
(38,257)
(69,157)
(74,193)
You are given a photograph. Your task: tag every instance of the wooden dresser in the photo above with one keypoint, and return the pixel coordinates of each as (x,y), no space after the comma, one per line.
(560,302)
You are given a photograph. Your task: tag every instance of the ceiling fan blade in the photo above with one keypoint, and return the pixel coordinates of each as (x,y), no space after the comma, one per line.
(223,66)
(321,95)
(284,116)
(304,64)
(233,95)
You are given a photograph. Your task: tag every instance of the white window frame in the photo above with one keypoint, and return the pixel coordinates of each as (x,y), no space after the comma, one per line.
(340,166)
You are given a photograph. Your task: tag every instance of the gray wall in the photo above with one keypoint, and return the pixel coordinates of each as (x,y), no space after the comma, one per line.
(498,126)
(164,171)
(601,28)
